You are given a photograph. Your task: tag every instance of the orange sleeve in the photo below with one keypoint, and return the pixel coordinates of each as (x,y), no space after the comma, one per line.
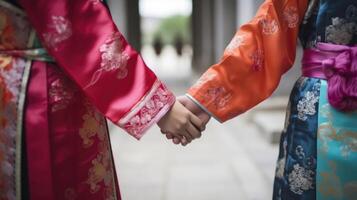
(254,61)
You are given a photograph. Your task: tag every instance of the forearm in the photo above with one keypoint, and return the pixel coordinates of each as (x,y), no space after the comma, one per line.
(253,63)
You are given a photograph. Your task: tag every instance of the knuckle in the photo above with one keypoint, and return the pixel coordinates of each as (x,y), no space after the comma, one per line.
(178,129)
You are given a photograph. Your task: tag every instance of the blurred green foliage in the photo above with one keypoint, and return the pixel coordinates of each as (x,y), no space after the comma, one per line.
(172,28)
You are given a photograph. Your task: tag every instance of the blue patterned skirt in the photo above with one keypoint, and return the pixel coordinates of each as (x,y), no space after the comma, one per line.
(318,148)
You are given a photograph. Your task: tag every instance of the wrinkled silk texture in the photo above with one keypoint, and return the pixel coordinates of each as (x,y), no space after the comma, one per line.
(96,75)
(337,64)
(100,61)
(253,62)
(250,70)
(86,44)
(336,151)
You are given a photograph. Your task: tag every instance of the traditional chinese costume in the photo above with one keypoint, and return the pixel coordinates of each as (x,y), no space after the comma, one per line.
(318,147)
(54,141)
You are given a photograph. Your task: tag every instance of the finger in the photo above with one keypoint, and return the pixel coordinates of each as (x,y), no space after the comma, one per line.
(197,122)
(182,100)
(169,136)
(184,141)
(187,136)
(205,118)
(176,140)
(184,138)
(193,131)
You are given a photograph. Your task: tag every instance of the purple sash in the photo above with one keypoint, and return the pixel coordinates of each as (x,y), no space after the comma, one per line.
(338,65)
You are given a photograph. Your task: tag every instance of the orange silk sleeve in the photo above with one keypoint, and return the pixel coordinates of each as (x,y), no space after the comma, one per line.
(254,61)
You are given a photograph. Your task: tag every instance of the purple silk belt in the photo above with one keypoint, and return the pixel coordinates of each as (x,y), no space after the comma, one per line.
(338,65)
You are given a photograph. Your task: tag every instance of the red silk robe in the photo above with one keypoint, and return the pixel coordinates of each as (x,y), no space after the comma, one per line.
(58,109)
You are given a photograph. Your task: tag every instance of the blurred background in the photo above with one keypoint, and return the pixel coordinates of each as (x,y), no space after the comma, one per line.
(179,40)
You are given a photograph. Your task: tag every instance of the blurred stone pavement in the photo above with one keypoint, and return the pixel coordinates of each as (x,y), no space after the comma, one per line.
(234,160)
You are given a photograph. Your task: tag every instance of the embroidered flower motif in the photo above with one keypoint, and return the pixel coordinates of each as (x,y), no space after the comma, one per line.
(10,90)
(291,16)
(341,31)
(300,179)
(89,129)
(299,151)
(94,135)
(219,96)
(60,29)
(345,150)
(160,99)
(236,42)
(61,93)
(99,171)
(269,27)
(258,60)
(113,58)
(306,106)
(351,13)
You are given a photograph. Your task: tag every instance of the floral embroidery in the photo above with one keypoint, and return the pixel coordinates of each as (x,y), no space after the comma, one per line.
(299,151)
(351,13)
(61,93)
(219,96)
(346,138)
(341,31)
(14,32)
(60,29)
(258,60)
(269,27)
(113,58)
(100,174)
(10,86)
(306,106)
(325,132)
(291,16)
(142,116)
(236,42)
(91,129)
(300,179)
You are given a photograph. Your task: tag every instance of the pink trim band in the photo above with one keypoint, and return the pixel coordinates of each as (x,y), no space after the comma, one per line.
(148,111)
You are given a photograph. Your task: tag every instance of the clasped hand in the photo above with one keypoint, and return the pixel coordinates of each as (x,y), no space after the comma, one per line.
(184,122)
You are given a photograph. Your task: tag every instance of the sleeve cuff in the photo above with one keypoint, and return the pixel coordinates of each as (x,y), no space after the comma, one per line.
(153,106)
(203,107)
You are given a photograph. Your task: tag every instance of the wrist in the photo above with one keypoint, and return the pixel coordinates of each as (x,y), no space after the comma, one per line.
(201,107)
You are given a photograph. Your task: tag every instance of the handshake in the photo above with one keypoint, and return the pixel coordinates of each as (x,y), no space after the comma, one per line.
(184,122)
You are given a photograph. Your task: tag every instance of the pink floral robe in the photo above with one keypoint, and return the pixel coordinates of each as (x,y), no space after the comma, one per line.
(55,111)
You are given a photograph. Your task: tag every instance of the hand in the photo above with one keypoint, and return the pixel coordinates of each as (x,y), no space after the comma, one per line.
(181,123)
(195,109)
